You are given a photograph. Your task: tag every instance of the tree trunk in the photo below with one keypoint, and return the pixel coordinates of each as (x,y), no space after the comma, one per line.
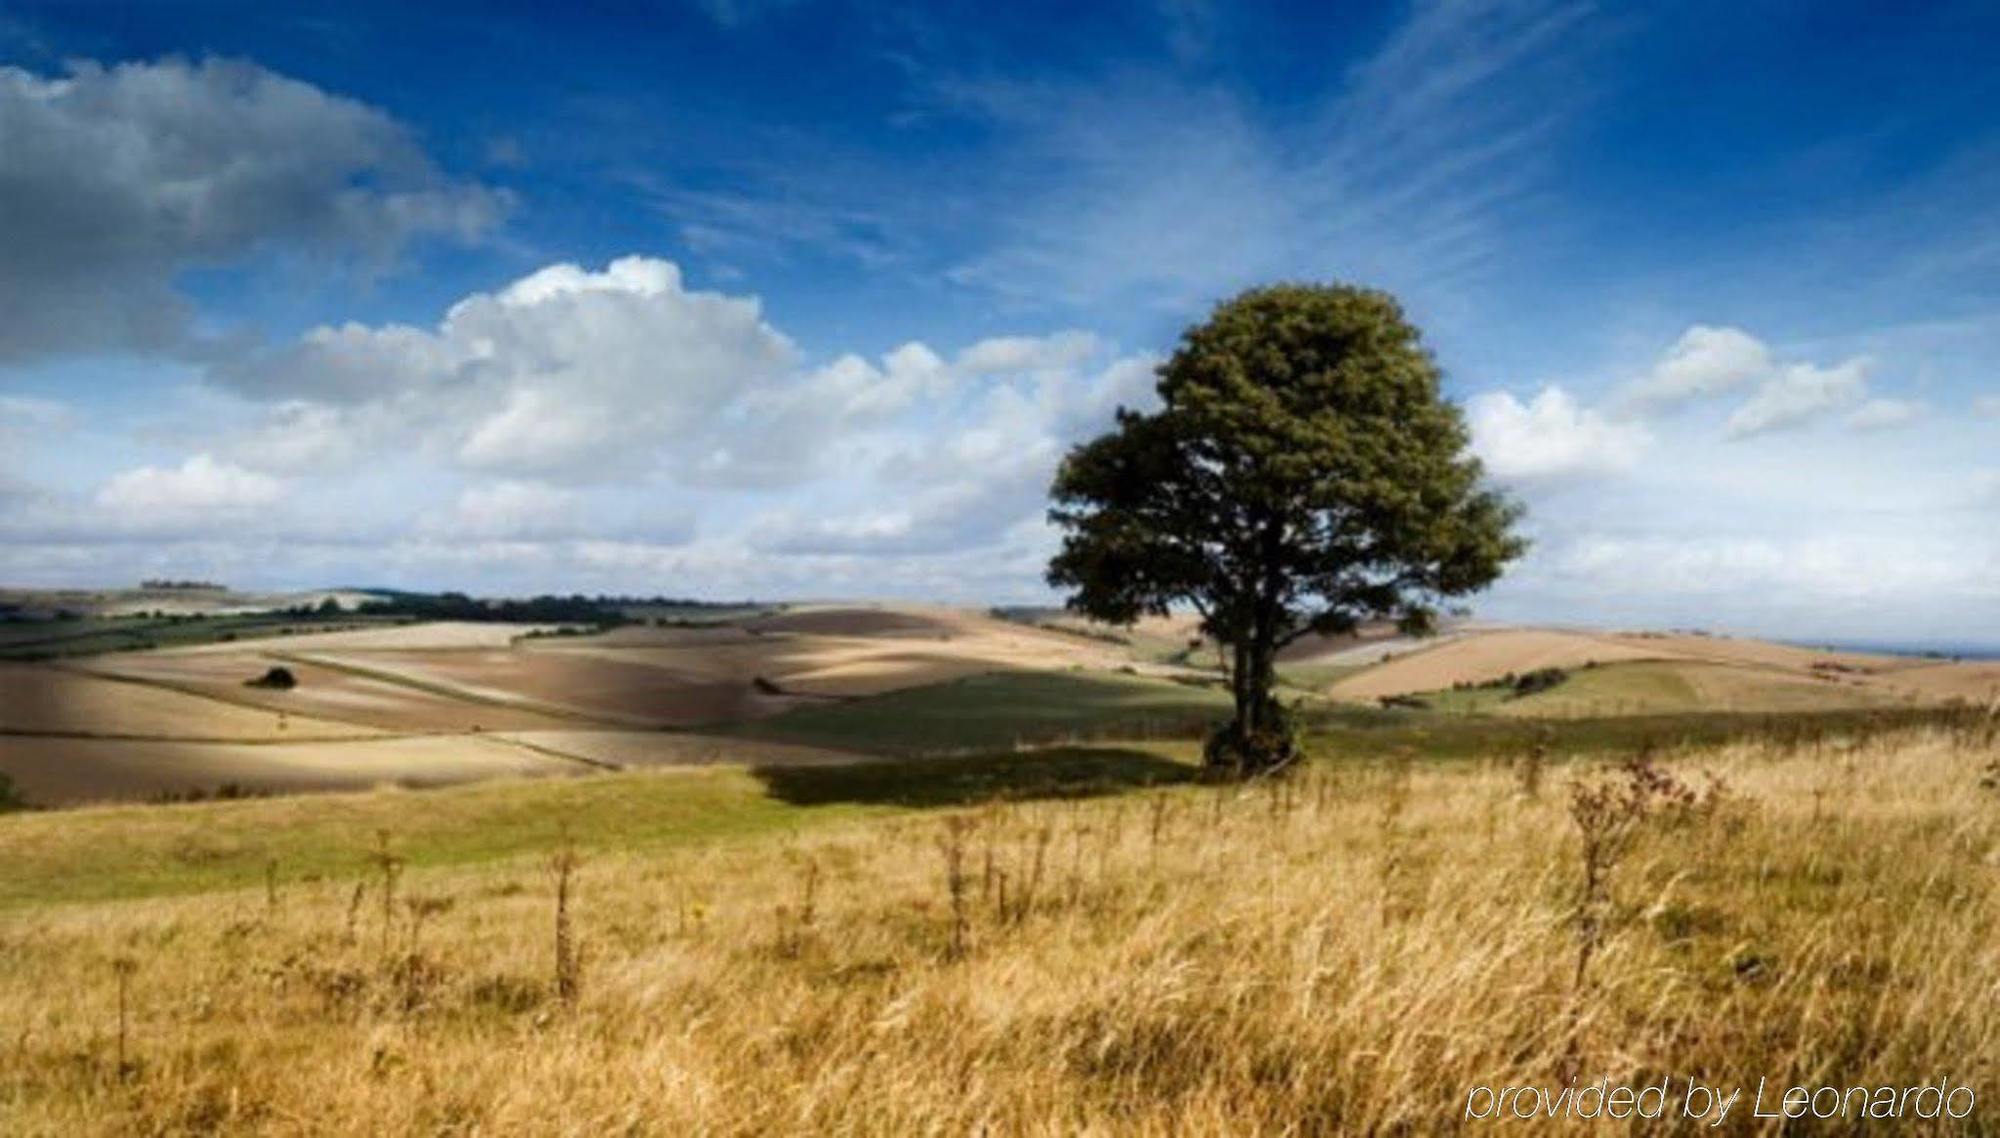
(1258,689)
(1256,740)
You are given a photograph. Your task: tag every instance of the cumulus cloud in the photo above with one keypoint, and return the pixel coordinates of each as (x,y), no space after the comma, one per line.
(1708,361)
(571,378)
(1884,414)
(201,486)
(514,510)
(1705,361)
(982,472)
(1551,437)
(117,179)
(298,437)
(1028,353)
(1797,394)
(782,432)
(566,374)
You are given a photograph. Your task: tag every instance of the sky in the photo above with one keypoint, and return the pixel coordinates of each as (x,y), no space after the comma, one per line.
(807,298)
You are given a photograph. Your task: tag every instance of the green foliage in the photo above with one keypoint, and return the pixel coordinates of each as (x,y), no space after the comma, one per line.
(1304,475)
(1512,686)
(279,678)
(1539,680)
(10,798)
(603,612)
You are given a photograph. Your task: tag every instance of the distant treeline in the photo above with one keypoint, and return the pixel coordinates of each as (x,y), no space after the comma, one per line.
(159,584)
(601,611)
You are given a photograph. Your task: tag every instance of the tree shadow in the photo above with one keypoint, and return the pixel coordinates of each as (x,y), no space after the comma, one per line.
(1065,772)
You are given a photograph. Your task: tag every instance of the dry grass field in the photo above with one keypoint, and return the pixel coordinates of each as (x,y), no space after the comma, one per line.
(1350,951)
(1977,682)
(1481,657)
(1613,673)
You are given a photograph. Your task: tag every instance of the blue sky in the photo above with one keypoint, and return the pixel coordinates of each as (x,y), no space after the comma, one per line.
(732,297)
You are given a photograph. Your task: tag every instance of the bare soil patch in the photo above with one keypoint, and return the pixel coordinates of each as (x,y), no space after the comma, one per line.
(322,692)
(40,699)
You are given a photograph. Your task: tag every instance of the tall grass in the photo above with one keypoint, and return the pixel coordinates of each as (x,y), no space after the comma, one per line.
(1351,951)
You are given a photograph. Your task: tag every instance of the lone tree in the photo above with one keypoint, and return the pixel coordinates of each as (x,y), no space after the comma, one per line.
(1303,475)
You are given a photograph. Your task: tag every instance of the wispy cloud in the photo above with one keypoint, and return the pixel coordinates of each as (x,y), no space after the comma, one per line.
(1408,174)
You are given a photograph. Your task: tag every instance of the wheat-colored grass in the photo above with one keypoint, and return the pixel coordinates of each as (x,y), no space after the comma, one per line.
(1344,953)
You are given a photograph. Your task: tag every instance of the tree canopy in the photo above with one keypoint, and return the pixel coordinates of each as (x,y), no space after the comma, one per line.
(1303,475)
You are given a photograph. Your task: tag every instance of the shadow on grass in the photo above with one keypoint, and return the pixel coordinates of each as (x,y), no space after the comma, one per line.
(1066,772)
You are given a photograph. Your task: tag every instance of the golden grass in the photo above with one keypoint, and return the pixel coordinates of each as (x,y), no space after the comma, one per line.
(1481,657)
(1347,952)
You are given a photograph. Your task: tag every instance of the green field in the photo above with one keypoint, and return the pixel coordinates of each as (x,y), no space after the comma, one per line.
(1638,688)
(1316,677)
(124,852)
(1003,709)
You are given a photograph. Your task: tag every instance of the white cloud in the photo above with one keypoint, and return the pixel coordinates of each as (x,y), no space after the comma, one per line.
(1003,354)
(116,179)
(1705,361)
(299,437)
(577,420)
(1815,570)
(1884,414)
(519,510)
(1550,437)
(1708,361)
(590,378)
(937,487)
(1798,393)
(565,374)
(199,486)
(1987,405)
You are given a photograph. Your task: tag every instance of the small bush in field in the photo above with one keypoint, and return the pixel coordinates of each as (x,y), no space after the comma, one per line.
(278,678)
(10,798)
